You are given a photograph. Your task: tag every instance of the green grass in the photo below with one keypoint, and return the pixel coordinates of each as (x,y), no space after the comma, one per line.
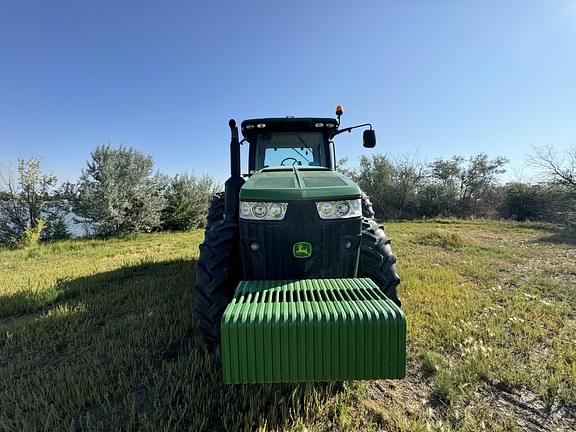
(99,335)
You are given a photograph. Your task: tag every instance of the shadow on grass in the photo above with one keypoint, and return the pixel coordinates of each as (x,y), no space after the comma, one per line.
(148,369)
(560,235)
(29,301)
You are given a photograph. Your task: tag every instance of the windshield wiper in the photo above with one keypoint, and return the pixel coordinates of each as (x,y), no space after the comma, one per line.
(305,145)
(301,155)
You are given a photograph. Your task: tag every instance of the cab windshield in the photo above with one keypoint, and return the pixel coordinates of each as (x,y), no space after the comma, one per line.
(290,149)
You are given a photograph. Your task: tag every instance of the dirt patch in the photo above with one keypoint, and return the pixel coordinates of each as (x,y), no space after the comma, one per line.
(498,237)
(548,264)
(568,277)
(530,411)
(412,398)
(416,396)
(414,391)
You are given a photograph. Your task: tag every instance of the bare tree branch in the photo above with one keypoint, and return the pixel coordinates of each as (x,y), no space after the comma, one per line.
(557,168)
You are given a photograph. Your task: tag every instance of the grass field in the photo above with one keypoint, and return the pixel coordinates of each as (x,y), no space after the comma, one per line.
(99,335)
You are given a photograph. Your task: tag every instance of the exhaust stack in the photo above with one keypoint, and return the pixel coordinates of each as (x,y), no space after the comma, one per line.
(235,182)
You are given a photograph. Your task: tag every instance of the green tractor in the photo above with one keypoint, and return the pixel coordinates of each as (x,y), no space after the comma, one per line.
(296,281)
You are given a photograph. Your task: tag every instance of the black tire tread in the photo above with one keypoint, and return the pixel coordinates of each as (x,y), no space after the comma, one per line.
(367,208)
(217,274)
(216,210)
(377,261)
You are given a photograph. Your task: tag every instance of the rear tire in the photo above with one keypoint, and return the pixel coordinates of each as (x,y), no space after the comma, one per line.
(217,275)
(216,210)
(367,209)
(377,261)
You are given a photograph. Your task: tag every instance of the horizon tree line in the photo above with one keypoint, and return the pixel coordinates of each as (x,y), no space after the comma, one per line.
(119,192)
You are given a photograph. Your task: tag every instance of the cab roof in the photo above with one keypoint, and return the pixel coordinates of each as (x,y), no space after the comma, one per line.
(251,127)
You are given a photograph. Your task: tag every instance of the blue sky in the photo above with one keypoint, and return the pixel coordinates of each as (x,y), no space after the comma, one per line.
(436,77)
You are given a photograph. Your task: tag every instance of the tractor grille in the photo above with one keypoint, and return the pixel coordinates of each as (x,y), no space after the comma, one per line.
(312,330)
(274,259)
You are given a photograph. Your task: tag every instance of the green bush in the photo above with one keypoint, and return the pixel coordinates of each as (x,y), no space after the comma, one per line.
(31,236)
(188,199)
(442,238)
(119,193)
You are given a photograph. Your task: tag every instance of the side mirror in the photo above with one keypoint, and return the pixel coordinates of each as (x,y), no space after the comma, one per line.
(369,138)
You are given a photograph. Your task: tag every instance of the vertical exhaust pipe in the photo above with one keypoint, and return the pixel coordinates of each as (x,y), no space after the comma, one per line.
(235,182)
(234,149)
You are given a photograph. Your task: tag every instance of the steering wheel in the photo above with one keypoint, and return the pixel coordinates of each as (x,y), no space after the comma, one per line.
(294,161)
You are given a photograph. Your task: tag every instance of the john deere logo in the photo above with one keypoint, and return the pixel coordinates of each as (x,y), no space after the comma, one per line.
(302,249)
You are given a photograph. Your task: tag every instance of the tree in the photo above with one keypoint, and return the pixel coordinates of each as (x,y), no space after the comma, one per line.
(435,199)
(441,195)
(408,188)
(472,187)
(448,172)
(119,193)
(188,199)
(559,169)
(408,176)
(548,202)
(24,199)
(478,181)
(375,177)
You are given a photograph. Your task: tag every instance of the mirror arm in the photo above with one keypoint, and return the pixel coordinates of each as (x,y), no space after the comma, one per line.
(349,129)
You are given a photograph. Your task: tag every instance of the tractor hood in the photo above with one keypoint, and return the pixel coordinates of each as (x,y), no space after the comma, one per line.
(294,183)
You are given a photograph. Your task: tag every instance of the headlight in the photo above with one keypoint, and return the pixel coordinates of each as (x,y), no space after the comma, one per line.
(325,209)
(339,209)
(262,210)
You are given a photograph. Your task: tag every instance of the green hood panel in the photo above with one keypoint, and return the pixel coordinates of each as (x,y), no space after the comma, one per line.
(293,184)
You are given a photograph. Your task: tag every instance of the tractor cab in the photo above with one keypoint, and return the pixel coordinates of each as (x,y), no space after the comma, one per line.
(289,142)
(296,141)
